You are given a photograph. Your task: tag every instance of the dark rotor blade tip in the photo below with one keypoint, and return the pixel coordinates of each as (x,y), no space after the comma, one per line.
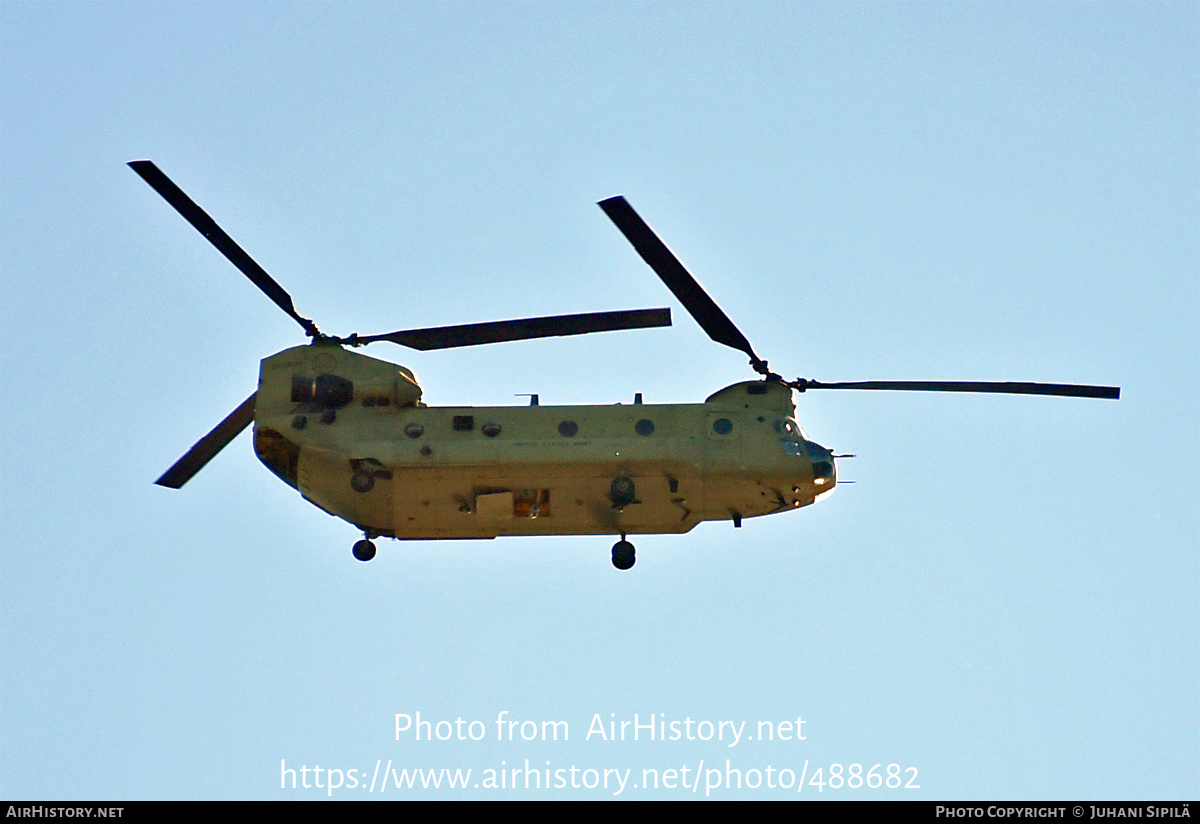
(997,387)
(715,323)
(474,334)
(207,447)
(190,211)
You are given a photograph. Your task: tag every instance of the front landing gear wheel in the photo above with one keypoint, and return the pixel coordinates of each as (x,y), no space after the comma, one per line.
(364,550)
(622,554)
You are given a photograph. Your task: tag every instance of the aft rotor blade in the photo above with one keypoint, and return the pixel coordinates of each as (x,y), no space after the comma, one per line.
(1062,389)
(681,283)
(226,245)
(474,334)
(208,446)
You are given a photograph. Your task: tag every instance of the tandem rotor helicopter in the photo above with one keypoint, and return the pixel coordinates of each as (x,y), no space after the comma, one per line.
(350,432)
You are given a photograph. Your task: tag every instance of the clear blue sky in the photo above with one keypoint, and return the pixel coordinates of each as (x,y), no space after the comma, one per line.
(1007,600)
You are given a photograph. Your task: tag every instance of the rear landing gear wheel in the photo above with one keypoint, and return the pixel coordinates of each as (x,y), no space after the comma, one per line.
(364,550)
(622,554)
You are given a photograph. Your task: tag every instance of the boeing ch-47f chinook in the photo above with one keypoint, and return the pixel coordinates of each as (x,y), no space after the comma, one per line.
(351,434)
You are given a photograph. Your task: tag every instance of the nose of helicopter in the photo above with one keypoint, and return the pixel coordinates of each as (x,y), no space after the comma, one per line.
(824,466)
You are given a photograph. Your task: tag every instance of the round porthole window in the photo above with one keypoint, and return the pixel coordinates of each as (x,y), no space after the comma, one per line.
(414,430)
(722,426)
(644,427)
(490,429)
(568,429)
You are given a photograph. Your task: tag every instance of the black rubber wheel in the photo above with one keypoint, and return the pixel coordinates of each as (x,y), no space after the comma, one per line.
(623,555)
(364,550)
(362,481)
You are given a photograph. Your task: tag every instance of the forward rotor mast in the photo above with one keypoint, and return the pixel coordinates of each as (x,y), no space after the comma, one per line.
(721,329)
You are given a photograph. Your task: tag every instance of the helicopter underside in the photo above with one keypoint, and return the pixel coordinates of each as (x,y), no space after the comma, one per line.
(421,504)
(459,487)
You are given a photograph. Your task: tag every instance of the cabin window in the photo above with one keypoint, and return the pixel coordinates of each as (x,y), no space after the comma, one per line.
(491,430)
(722,426)
(568,429)
(644,427)
(414,430)
(786,427)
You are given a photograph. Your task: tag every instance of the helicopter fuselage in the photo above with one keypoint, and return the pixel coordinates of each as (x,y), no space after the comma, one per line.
(351,434)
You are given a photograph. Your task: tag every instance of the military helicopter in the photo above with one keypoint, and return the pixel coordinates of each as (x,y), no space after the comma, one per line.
(351,434)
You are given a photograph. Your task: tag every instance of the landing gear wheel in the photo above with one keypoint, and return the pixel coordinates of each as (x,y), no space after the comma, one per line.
(622,554)
(364,550)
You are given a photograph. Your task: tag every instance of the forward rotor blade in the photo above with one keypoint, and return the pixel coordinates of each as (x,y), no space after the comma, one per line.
(474,334)
(226,245)
(208,446)
(1062,389)
(685,287)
